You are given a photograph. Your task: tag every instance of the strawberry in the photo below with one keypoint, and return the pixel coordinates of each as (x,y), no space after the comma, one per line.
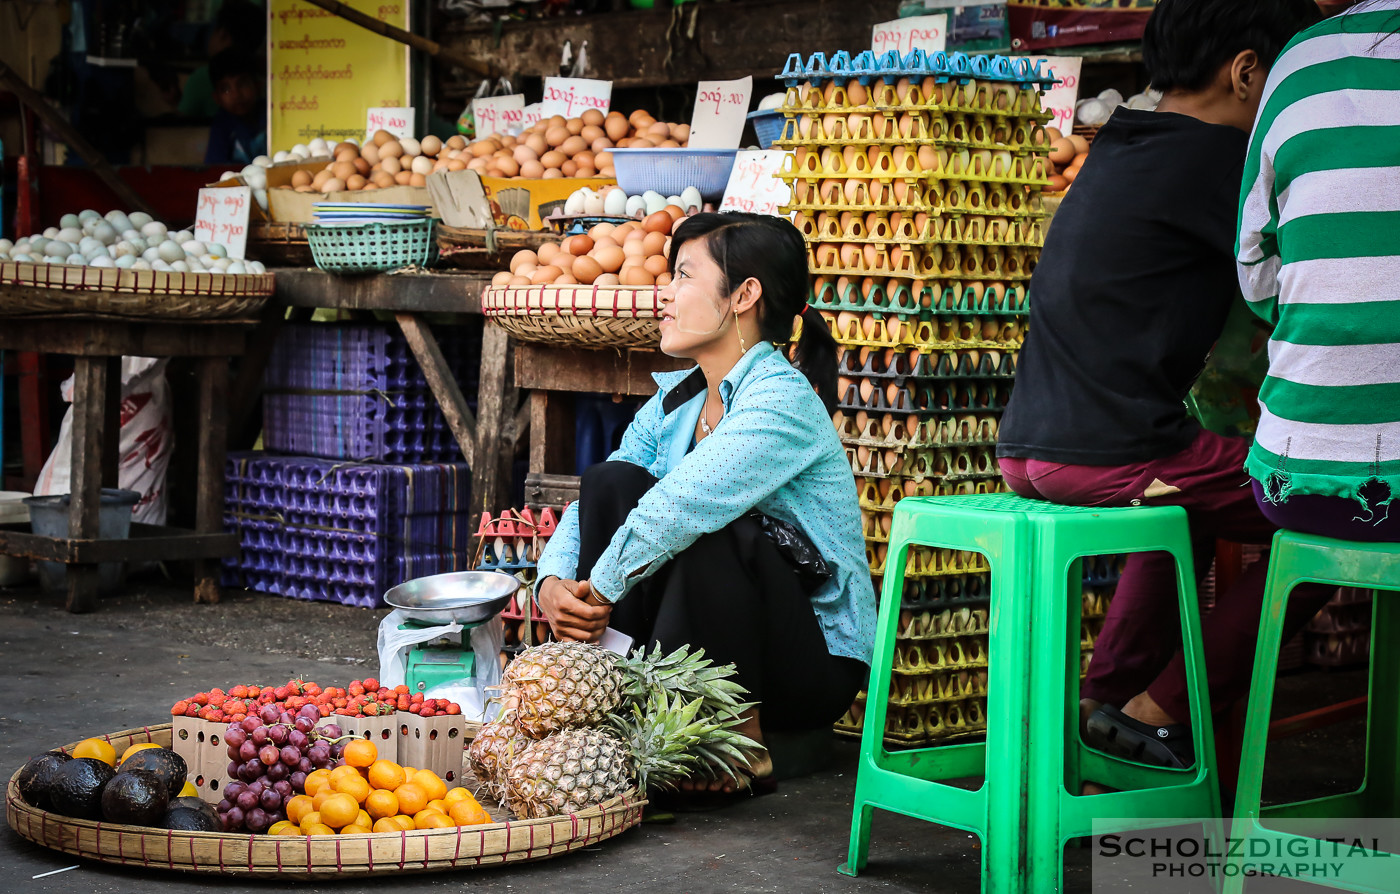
(178,708)
(453,708)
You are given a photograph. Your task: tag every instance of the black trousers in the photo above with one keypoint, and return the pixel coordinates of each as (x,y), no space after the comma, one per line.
(732,594)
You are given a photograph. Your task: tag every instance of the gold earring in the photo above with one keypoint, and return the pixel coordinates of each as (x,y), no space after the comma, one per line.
(743,348)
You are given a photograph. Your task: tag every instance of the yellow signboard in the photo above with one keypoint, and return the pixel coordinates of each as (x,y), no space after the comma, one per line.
(324,73)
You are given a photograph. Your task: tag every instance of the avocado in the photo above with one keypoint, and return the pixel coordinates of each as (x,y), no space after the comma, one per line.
(77,788)
(188,819)
(163,762)
(135,798)
(199,804)
(38,775)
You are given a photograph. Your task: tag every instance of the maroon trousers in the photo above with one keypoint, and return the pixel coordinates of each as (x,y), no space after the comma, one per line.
(1140,646)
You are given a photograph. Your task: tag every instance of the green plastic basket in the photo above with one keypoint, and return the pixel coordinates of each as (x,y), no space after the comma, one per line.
(371,248)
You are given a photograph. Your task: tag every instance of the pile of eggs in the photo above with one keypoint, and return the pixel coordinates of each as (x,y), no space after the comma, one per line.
(614,202)
(383,161)
(1096,110)
(573,147)
(130,242)
(634,253)
(1067,155)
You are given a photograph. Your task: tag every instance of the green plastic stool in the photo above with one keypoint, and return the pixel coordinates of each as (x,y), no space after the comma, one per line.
(1305,558)
(1028,805)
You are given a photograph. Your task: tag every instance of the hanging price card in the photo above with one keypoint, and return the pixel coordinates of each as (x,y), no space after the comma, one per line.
(927,33)
(222,217)
(397,121)
(498,114)
(571,97)
(1059,100)
(754,184)
(721,108)
(529,117)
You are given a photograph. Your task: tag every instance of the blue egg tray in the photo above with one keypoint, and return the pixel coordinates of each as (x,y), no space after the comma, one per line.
(866,68)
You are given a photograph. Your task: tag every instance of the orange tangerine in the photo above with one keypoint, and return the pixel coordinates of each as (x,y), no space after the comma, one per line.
(468,813)
(430,783)
(405,823)
(299,807)
(439,805)
(386,824)
(317,780)
(457,794)
(284,828)
(308,820)
(353,786)
(100,749)
(322,795)
(381,803)
(356,829)
(412,798)
(431,819)
(363,819)
(339,811)
(360,753)
(386,774)
(140,746)
(344,772)
(318,829)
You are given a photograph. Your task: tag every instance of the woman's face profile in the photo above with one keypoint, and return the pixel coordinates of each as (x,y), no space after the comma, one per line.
(694,309)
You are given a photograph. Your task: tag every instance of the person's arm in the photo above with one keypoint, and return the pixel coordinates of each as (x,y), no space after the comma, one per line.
(1256,249)
(755,450)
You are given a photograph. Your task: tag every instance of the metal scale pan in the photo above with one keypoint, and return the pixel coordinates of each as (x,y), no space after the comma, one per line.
(467,597)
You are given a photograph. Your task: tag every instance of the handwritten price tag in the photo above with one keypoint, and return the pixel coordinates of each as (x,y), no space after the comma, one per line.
(397,121)
(927,33)
(1059,100)
(571,97)
(720,111)
(754,184)
(498,114)
(222,217)
(529,117)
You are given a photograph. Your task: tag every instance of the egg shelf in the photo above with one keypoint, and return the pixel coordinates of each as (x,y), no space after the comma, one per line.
(916,658)
(984,204)
(918,471)
(928,271)
(1023,139)
(947,365)
(977,397)
(876,503)
(910,726)
(929,626)
(918,463)
(934,229)
(949,591)
(908,691)
(923,336)
(907,92)
(836,167)
(963,430)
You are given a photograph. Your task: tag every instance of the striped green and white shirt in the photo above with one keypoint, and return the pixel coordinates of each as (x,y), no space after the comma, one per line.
(1319,257)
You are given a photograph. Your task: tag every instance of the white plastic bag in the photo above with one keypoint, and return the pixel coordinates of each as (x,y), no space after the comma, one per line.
(472,693)
(146,440)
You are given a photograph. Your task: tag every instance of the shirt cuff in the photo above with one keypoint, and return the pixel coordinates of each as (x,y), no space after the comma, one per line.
(608,585)
(556,564)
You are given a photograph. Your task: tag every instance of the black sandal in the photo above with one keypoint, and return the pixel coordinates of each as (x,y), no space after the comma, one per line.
(1111,731)
(678,801)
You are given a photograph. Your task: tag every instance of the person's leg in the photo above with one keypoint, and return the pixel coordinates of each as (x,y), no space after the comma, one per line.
(607,493)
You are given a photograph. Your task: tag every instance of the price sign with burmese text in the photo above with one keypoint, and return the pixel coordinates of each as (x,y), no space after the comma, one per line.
(397,121)
(754,184)
(721,110)
(530,116)
(222,217)
(499,114)
(571,97)
(927,33)
(1059,100)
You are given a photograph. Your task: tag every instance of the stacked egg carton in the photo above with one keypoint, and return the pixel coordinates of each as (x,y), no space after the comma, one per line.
(343,532)
(1101,574)
(916,182)
(512,543)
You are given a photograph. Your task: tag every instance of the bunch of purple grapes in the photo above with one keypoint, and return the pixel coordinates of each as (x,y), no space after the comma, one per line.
(270,755)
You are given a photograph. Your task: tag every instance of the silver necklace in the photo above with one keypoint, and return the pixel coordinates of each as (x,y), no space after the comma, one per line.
(704,424)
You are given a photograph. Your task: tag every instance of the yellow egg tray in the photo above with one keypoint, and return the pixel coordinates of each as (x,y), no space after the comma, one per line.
(928,561)
(895,430)
(942,333)
(928,95)
(930,197)
(986,263)
(875,499)
(921,463)
(913,657)
(935,689)
(920,228)
(960,164)
(912,130)
(921,724)
(947,624)
(898,364)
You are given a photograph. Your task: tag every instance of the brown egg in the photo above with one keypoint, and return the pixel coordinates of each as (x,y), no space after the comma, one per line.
(600,146)
(1062,151)
(554,121)
(563,260)
(1081,145)
(355,181)
(320,179)
(1071,173)
(584,171)
(335,184)
(1058,183)
(456,164)
(430,145)
(547,252)
(301,178)
(656,265)
(609,257)
(342,146)
(607,279)
(547,274)
(532,170)
(578,246)
(616,126)
(508,167)
(586,270)
(603,233)
(345,154)
(637,276)
(676,211)
(416,179)
(658,131)
(478,164)
(566,280)
(522,154)
(481,148)
(592,118)
(603,160)
(591,134)
(382,179)
(640,143)
(523,258)
(553,158)
(456,141)
(556,136)
(301,188)
(553,174)
(653,244)
(519,280)
(660,222)
(390,165)
(664,279)
(574,125)
(608,172)
(569,168)
(381,137)
(391,149)
(502,278)
(573,146)
(537,143)
(361,166)
(370,153)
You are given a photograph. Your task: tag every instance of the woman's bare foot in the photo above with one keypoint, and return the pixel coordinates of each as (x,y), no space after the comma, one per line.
(759,766)
(1142,707)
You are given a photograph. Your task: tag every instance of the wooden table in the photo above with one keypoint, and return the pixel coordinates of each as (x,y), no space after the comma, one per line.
(99,346)
(553,375)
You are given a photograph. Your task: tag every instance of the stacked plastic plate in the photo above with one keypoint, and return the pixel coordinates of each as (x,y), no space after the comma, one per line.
(354,214)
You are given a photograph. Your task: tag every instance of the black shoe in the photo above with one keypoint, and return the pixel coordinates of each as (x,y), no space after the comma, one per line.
(1113,732)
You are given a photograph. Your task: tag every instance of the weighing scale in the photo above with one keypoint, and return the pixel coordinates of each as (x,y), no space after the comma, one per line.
(469,598)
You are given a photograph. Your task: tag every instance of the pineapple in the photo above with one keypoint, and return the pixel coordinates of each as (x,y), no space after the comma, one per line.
(560,686)
(573,769)
(491,752)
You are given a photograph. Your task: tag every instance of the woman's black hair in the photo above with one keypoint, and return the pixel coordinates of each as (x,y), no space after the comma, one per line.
(772,251)
(1187,41)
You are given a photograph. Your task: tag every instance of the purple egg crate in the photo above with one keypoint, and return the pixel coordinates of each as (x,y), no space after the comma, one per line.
(345,532)
(364,357)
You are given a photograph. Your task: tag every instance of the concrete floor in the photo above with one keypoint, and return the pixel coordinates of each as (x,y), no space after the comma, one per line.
(71,676)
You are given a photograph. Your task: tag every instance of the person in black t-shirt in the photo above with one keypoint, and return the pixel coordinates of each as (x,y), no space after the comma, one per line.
(1131,292)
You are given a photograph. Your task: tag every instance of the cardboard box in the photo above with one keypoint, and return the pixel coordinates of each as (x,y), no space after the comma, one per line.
(382,731)
(201,744)
(277,175)
(523,204)
(434,743)
(1037,26)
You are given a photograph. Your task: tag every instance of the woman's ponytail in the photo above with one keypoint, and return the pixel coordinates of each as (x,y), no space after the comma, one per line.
(815,357)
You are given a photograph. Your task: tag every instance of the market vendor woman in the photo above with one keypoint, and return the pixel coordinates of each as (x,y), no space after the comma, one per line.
(728,519)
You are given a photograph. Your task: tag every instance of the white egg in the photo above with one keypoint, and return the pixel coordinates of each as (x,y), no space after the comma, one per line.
(319,146)
(574,203)
(195,248)
(593,203)
(76,260)
(102,261)
(422,164)
(51,233)
(104,233)
(88,244)
(183,236)
(690,198)
(235,267)
(118,219)
(674,200)
(300,151)
(35,244)
(151,254)
(57,249)
(217,251)
(260,196)
(170,250)
(280,157)
(141,265)
(154,228)
(411,147)
(89,215)
(160,265)
(6,245)
(139,219)
(257,267)
(180,266)
(194,264)
(69,222)
(20,257)
(635,206)
(219,264)
(263,161)
(1112,97)
(254,176)
(615,202)
(655,202)
(125,262)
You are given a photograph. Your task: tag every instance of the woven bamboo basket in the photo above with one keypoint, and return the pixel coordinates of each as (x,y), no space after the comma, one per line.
(585,316)
(279,244)
(48,289)
(331,856)
(472,249)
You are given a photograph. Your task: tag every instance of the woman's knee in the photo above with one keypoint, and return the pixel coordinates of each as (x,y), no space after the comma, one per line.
(613,476)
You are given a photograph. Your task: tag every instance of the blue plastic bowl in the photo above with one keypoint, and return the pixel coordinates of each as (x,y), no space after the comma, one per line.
(669,171)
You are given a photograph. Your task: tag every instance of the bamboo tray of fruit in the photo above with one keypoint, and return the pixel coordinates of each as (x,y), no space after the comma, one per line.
(313,856)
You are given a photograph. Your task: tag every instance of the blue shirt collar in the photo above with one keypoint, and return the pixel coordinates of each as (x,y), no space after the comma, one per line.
(682,386)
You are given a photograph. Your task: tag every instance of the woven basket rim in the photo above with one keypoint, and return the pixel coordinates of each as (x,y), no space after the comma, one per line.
(244,849)
(629,302)
(72,278)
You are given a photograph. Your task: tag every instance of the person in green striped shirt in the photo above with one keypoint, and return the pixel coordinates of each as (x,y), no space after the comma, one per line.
(1319,259)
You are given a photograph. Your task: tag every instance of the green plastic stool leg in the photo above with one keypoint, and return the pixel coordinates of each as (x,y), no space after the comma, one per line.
(1382,795)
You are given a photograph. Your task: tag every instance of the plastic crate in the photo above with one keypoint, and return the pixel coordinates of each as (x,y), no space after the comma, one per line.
(371,248)
(670,171)
(767,126)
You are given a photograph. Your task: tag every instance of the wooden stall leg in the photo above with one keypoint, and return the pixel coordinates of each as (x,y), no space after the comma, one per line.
(89,397)
(495,446)
(213,445)
(444,386)
(551,433)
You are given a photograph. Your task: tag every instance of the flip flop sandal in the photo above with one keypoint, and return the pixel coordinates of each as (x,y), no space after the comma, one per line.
(703,801)
(1111,731)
